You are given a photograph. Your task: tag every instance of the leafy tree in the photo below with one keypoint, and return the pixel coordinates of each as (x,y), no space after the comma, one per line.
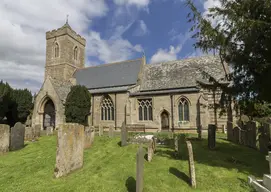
(255,109)
(5,91)
(239,32)
(77,105)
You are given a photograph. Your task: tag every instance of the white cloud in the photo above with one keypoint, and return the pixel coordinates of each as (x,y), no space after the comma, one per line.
(166,54)
(138,3)
(23,26)
(141,29)
(209,4)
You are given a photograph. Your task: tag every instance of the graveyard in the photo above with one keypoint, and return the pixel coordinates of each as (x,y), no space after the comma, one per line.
(109,167)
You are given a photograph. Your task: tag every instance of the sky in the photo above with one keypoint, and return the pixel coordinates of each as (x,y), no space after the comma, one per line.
(115,30)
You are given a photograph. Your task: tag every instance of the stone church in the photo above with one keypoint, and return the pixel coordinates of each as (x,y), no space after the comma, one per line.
(162,97)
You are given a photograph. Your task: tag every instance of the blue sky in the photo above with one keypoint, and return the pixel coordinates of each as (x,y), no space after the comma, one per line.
(115,30)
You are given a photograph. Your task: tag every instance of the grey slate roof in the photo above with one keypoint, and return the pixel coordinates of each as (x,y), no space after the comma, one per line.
(109,75)
(62,88)
(180,73)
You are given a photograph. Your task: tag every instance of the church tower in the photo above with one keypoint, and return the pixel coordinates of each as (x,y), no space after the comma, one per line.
(65,52)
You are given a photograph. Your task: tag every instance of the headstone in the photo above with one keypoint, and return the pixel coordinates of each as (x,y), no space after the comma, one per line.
(111,131)
(176,143)
(87,141)
(140,168)
(4,138)
(17,136)
(92,135)
(29,133)
(229,131)
(49,131)
(151,149)
(252,134)
(236,135)
(244,135)
(191,164)
(181,143)
(211,136)
(37,130)
(123,135)
(101,130)
(70,148)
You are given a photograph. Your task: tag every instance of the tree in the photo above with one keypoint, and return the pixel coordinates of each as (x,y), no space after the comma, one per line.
(5,91)
(77,106)
(241,36)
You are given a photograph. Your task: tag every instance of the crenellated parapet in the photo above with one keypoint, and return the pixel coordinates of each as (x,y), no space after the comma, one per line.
(65,30)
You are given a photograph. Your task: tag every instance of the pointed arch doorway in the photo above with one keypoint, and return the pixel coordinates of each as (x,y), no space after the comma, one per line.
(49,114)
(165,121)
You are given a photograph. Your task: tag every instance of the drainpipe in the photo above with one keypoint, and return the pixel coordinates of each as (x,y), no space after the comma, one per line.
(172,113)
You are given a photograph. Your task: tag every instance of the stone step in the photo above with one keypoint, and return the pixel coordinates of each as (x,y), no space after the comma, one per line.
(267,181)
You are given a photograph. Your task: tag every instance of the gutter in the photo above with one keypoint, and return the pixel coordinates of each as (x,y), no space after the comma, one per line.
(186,90)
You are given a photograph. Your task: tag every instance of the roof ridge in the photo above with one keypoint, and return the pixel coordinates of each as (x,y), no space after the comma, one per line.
(113,63)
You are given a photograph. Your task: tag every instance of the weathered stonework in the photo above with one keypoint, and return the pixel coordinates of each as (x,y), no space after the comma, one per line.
(17,136)
(4,138)
(70,149)
(89,136)
(29,133)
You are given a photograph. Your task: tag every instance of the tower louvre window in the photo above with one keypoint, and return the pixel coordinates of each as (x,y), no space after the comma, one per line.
(75,53)
(56,50)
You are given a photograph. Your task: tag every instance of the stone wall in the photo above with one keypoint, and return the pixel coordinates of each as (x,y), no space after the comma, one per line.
(70,148)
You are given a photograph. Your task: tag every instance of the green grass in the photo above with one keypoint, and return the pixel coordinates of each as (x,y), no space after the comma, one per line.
(109,167)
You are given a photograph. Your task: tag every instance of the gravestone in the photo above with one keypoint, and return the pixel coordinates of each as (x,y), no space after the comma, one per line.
(101,130)
(111,131)
(181,143)
(176,143)
(123,135)
(49,131)
(191,164)
(4,138)
(37,130)
(151,149)
(211,136)
(29,133)
(70,149)
(140,169)
(92,134)
(244,135)
(229,131)
(87,141)
(17,136)
(252,134)
(236,135)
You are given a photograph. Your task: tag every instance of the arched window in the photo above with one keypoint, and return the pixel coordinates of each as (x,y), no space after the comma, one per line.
(183,108)
(107,109)
(75,53)
(145,109)
(56,50)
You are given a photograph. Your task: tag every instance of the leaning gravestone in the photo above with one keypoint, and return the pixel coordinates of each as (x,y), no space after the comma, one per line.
(29,133)
(4,138)
(49,131)
(151,149)
(191,164)
(37,130)
(140,168)
(111,131)
(17,136)
(123,135)
(101,130)
(211,136)
(70,148)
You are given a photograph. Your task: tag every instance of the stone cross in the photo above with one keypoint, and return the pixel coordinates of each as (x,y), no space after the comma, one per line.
(123,134)
(101,130)
(140,168)
(191,164)
(111,131)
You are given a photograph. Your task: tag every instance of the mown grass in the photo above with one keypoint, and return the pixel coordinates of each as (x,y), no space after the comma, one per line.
(109,167)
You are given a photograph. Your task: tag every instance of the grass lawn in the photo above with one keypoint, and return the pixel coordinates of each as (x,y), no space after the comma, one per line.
(109,167)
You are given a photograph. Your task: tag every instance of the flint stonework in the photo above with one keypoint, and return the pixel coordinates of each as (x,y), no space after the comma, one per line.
(4,138)
(123,135)
(111,131)
(70,149)
(140,169)
(211,136)
(101,130)
(17,136)
(191,164)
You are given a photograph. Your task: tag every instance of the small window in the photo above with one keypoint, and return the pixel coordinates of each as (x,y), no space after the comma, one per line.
(107,109)
(183,108)
(75,53)
(145,109)
(56,50)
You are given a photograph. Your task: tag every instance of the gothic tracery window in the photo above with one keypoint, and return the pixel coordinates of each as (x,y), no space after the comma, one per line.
(107,109)
(145,109)
(75,54)
(183,108)
(56,50)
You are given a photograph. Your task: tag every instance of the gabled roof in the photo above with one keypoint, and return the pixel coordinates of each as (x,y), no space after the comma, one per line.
(109,75)
(180,73)
(62,88)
